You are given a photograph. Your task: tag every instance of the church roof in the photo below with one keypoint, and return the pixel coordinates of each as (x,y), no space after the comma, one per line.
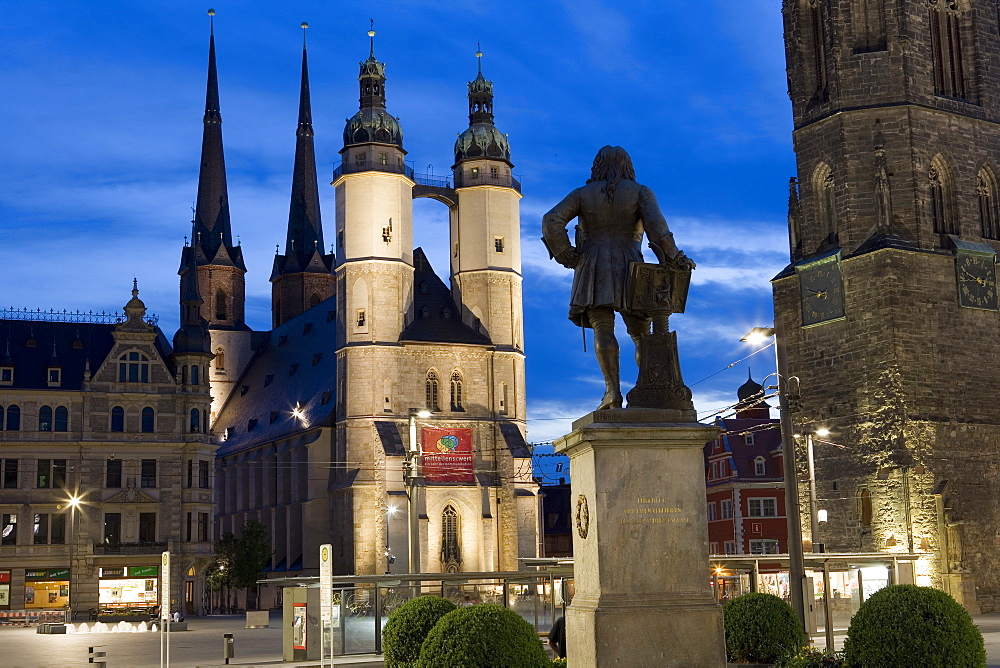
(288,386)
(436,318)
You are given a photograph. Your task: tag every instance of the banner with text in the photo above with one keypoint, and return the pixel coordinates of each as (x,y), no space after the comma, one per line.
(447,454)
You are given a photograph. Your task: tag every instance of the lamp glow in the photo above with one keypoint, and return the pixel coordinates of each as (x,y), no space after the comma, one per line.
(822,432)
(423,413)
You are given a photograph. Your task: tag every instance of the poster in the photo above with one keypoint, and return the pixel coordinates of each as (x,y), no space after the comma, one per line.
(447,454)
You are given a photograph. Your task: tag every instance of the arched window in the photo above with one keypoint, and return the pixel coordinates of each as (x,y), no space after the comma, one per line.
(989,208)
(868,17)
(45,418)
(117,419)
(62,419)
(194,374)
(133,368)
(946,47)
(456,392)
(824,191)
(13,418)
(220,359)
(817,29)
(942,209)
(195,421)
(221,311)
(148,420)
(431,392)
(451,551)
(864,508)
(759,467)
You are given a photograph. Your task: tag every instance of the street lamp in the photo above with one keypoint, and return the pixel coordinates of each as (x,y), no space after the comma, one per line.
(796,560)
(390,511)
(411,477)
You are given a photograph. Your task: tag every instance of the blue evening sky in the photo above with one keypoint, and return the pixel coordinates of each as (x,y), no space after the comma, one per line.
(101,106)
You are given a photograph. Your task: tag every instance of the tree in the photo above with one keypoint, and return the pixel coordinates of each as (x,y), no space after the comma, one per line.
(239,560)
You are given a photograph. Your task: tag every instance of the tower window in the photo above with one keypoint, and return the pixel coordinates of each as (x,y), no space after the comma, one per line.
(818,30)
(456,392)
(946,47)
(868,17)
(431,392)
(361,317)
(475,172)
(220,304)
(383,158)
(451,551)
(989,210)
(748,439)
(498,244)
(941,208)
(494,173)
(865,508)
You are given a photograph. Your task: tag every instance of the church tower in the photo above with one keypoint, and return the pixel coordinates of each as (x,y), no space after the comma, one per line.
(219,261)
(303,276)
(888,312)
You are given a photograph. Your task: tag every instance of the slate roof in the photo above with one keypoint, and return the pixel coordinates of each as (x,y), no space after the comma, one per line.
(75,343)
(436,317)
(296,363)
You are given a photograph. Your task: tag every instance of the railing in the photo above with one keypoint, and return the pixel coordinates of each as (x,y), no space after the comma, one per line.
(431,180)
(52,315)
(354,166)
(129,548)
(464,180)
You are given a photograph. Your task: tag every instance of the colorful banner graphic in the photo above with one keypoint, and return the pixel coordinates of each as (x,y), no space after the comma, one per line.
(447,454)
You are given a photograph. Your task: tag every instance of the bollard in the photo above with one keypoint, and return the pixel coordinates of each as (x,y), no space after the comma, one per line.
(228,647)
(95,657)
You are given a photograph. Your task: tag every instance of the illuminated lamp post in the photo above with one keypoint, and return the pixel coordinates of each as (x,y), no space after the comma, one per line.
(390,511)
(411,477)
(796,561)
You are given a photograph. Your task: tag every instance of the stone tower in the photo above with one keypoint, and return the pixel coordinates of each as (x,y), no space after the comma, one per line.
(221,269)
(888,310)
(303,276)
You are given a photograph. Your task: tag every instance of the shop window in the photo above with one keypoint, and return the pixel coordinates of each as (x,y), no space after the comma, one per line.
(118,419)
(8,529)
(113,474)
(763,507)
(148,420)
(45,418)
(113,528)
(147,527)
(148,473)
(9,471)
(133,368)
(62,419)
(13,418)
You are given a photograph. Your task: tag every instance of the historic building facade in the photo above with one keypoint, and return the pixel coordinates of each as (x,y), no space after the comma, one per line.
(888,313)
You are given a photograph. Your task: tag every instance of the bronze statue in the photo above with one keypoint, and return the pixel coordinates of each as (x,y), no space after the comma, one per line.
(613,211)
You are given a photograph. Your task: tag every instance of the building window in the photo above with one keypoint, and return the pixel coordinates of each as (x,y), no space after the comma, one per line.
(818,30)
(8,529)
(188,524)
(55,376)
(194,374)
(203,478)
(730,547)
(133,368)
(148,420)
(195,421)
(45,418)
(220,304)
(220,359)
(456,392)
(431,392)
(451,553)
(13,418)
(148,473)
(117,419)
(62,419)
(494,173)
(824,189)
(6,375)
(758,466)
(361,317)
(113,474)
(503,399)
(763,507)
(51,474)
(942,208)
(203,527)
(727,509)
(383,158)
(763,546)
(868,18)
(748,439)
(989,208)
(865,508)
(147,527)
(113,528)
(711,511)
(946,46)
(40,529)
(9,471)
(498,244)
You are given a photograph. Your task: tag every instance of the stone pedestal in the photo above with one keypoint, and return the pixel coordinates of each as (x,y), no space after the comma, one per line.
(640,542)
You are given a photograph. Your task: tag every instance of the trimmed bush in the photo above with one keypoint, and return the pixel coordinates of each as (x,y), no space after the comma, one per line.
(408,626)
(483,636)
(761,628)
(907,625)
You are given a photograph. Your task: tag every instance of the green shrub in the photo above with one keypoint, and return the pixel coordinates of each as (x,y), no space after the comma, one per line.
(408,626)
(811,657)
(760,628)
(483,636)
(906,625)
(559,662)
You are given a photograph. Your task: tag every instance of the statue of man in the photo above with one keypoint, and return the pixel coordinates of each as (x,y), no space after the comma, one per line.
(613,211)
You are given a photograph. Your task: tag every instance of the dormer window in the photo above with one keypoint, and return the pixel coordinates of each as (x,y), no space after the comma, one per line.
(133,368)
(55,376)
(6,375)
(758,466)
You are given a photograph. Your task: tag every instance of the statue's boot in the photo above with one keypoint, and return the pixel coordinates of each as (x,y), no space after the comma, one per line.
(612,399)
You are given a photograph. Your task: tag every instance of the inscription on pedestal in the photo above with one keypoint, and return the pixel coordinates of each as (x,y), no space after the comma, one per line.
(650,512)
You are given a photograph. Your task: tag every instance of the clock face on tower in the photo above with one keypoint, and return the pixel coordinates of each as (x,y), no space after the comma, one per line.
(822,293)
(977,280)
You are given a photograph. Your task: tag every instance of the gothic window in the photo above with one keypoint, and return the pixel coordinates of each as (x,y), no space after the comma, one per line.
(942,209)
(220,359)
(865,508)
(62,419)
(431,392)
(946,47)
(456,392)
(118,419)
(45,418)
(220,304)
(148,420)
(868,18)
(817,30)
(989,208)
(451,552)
(824,191)
(13,418)
(133,368)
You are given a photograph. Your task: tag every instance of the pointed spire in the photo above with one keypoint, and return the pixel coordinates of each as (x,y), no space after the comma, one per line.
(212,206)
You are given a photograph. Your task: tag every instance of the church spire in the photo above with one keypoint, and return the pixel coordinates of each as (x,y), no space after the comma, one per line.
(212,226)
(481,140)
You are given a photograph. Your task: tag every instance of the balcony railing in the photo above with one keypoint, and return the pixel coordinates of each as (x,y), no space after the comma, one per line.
(466,180)
(129,548)
(354,166)
(431,180)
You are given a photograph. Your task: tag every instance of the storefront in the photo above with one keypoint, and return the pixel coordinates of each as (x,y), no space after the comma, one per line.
(128,589)
(46,588)
(4,590)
